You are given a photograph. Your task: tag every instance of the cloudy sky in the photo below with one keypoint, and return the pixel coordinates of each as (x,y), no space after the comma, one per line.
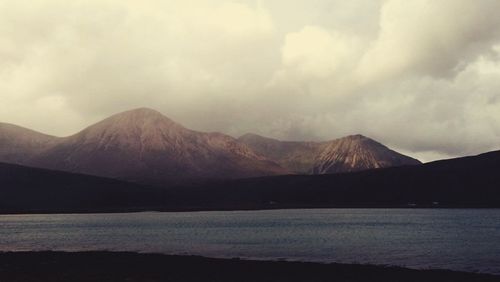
(422,77)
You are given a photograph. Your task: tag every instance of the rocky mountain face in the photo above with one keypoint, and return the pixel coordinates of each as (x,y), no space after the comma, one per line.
(143,145)
(355,153)
(351,153)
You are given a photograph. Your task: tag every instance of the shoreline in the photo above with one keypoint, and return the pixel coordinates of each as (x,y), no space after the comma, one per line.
(128,266)
(277,208)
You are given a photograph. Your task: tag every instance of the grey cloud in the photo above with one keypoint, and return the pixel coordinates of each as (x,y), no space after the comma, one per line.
(431,38)
(421,76)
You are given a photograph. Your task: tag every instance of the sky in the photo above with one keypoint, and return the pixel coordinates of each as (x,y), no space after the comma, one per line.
(420,76)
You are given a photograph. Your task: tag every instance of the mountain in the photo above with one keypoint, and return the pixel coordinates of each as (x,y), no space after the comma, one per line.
(355,153)
(348,154)
(142,145)
(19,145)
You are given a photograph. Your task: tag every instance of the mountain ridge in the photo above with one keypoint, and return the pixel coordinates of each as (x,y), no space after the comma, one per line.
(142,145)
(345,154)
(145,146)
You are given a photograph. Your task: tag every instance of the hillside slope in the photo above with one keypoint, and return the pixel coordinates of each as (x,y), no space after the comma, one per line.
(19,145)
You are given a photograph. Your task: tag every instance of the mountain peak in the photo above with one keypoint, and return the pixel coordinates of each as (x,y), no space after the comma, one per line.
(143,111)
(141,129)
(141,114)
(144,118)
(356,136)
(358,152)
(358,139)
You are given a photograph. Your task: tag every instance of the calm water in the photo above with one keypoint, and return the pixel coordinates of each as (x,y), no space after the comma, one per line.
(457,239)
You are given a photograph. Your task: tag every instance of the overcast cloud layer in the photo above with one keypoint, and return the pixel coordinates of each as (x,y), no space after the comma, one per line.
(420,76)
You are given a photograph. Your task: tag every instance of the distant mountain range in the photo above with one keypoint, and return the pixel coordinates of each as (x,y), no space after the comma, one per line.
(139,145)
(462,182)
(182,169)
(144,146)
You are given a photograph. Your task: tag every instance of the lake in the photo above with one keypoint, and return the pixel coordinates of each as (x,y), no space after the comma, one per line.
(457,239)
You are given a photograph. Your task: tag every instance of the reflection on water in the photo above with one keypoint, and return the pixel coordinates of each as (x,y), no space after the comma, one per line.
(458,239)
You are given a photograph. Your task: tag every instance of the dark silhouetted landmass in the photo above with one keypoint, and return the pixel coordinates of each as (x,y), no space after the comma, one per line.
(31,190)
(107,266)
(463,182)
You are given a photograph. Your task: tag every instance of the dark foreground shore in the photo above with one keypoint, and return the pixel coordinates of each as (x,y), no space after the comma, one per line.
(120,266)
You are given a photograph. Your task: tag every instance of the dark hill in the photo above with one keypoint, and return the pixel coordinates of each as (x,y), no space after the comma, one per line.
(29,190)
(462,182)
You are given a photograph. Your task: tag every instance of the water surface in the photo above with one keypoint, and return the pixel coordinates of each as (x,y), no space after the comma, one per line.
(458,239)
